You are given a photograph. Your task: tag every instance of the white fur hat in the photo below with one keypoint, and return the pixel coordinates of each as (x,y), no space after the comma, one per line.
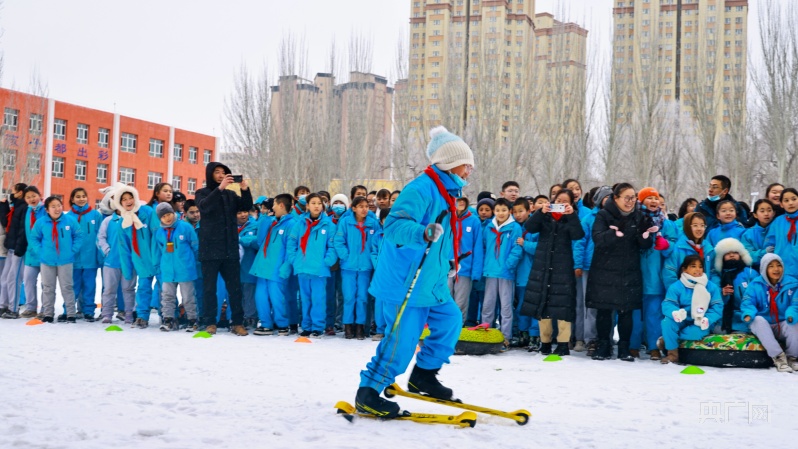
(340,197)
(120,190)
(727,246)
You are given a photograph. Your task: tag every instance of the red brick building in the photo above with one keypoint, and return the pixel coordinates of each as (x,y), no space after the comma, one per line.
(60,146)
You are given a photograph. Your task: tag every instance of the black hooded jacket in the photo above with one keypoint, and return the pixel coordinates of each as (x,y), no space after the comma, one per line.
(218,230)
(15,238)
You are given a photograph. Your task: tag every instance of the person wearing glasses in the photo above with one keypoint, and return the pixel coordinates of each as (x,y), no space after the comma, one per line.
(719,187)
(691,241)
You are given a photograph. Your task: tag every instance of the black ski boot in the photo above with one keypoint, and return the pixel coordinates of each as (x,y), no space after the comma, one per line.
(368,400)
(562,349)
(534,344)
(604,350)
(545,348)
(523,340)
(424,381)
(623,352)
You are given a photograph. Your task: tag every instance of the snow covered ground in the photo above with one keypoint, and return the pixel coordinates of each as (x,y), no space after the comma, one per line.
(76,386)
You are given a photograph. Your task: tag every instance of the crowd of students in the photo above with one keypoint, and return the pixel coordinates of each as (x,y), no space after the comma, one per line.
(569,266)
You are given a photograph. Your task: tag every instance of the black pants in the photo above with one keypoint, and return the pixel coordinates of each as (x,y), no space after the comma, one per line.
(604,324)
(230,269)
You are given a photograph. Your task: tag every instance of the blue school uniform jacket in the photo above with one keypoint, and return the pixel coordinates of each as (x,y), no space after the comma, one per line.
(777,238)
(319,253)
(181,264)
(528,256)
(582,211)
(470,240)
(419,205)
(651,263)
(110,228)
(501,260)
(196,228)
(376,244)
(756,301)
(90,256)
(32,251)
(583,248)
(142,261)
(681,297)
(675,254)
(733,230)
(352,246)
(248,240)
(59,247)
(753,240)
(741,284)
(273,265)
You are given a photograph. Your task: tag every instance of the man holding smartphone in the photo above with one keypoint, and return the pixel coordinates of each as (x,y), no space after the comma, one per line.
(218,243)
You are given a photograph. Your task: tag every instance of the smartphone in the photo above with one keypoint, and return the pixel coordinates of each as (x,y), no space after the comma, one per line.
(558,207)
(238,178)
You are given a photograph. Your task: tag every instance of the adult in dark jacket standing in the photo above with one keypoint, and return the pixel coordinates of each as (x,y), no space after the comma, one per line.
(620,232)
(12,270)
(218,243)
(718,191)
(551,290)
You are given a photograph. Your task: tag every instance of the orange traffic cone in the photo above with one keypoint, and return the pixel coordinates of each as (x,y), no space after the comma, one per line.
(34,322)
(302,340)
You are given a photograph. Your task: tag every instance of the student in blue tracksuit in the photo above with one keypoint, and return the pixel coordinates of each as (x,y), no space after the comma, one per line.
(248,242)
(59,239)
(783,232)
(733,263)
(754,237)
(474,315)
(501,257)
(376,246)
(300,201)
(339,207)
(528,329)
(137,248)
(411,232)
(691,241)
(770,307)
(691,307)
(470,267)
(176,248)
(89,259)
(272,268)
(311,254)
(108,242)
(728,226)
(352,244)
(191,215)
(36,211)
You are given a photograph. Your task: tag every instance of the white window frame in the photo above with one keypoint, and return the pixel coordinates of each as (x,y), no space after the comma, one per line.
(127,176)
(128,143)
(178,152)
(59,129)
(103,137)
(83,133)
(153,178)
(156,148)
(81,167)
(102,173)
(11,119)
(58,167)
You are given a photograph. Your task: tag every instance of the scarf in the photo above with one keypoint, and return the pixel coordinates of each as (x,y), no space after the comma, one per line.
(32,217)
(791,233)
(557,215)
(8,217)
(268,235)
(701,296)
(130,218)
(80,213)
(698,248)
(773,292)
(656,216)
(311,224)
(454,223)
(55,236)
(362,228)
(731,269)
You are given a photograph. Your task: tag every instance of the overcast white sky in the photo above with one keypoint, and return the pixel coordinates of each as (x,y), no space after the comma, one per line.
(173,61)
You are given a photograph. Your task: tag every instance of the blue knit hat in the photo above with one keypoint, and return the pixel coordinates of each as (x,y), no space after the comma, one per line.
(446,150)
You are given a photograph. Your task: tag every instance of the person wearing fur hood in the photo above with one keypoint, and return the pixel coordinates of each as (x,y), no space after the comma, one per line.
(108,243)
(734,272)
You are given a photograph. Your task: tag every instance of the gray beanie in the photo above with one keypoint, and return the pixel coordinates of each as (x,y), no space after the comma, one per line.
(163,209)
(447,151)
(601,193)
(488,201)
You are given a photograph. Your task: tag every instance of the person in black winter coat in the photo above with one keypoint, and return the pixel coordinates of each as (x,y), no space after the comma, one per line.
(12,269)
(620,232)
(218,242)
(551,290)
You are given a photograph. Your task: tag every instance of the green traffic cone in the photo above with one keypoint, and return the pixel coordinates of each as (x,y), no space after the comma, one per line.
(692,370)
(553,358)
(113,328)
(202,334)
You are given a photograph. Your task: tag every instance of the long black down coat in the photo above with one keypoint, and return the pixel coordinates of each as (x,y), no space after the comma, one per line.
(218,231)
(616,279)
(551,290)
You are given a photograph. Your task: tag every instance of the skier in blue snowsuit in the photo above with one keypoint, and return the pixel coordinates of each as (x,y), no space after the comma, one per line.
(411,231)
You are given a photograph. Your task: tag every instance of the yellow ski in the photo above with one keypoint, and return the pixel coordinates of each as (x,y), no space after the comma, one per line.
(465,419)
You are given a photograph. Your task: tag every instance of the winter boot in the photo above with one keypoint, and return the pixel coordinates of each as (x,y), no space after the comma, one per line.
(239,330)
(120,316)
(534,344)
(793,361)
(672,357)
(106,320)
(377,337)
(9,315)
(70,320)
(191,326)
(624,353)
(360,331)
(330,331)
(781,363)
(368,400)
(424,381)
(263,331)
(88,317)
(603,351)
(293,329)
(349,331)
(47,319)
(635,353)
(140,323)
(545,348)
(211,329)
(523,339)
(654,354)
(315,334)
(579,346)
(305,333)
(3,310)
(28,314)
(592,345)
(562,349)
(282,331)
(168,325)
(62,318)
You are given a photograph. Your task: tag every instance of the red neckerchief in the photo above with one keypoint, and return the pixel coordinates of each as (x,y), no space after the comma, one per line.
(268,234)
(169,235)
(8,218)
(135,240)
(55,237)
(465,215)
(32,217)
(791,233)
(698,248)
(557,215)
(297,209)
(241,227)
(456,225)
(311,224)
(498,241)
(80,214)
(774,307)
(362,228)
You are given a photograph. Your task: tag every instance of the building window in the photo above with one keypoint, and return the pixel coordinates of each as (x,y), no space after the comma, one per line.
(153,178)
(129,143)
(34,163)
(11,119)
(103,137)
(80,170)
(191,188)
(192,154)
(177,183)
(102,173)
(178,156)
(156,148)
(9,160)
(83,133)
(127,176)
(97,204)
(58,167)
(59,129)
(206,157)
(35,123)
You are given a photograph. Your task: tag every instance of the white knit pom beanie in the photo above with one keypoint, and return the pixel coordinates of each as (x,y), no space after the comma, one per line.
(447,151)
